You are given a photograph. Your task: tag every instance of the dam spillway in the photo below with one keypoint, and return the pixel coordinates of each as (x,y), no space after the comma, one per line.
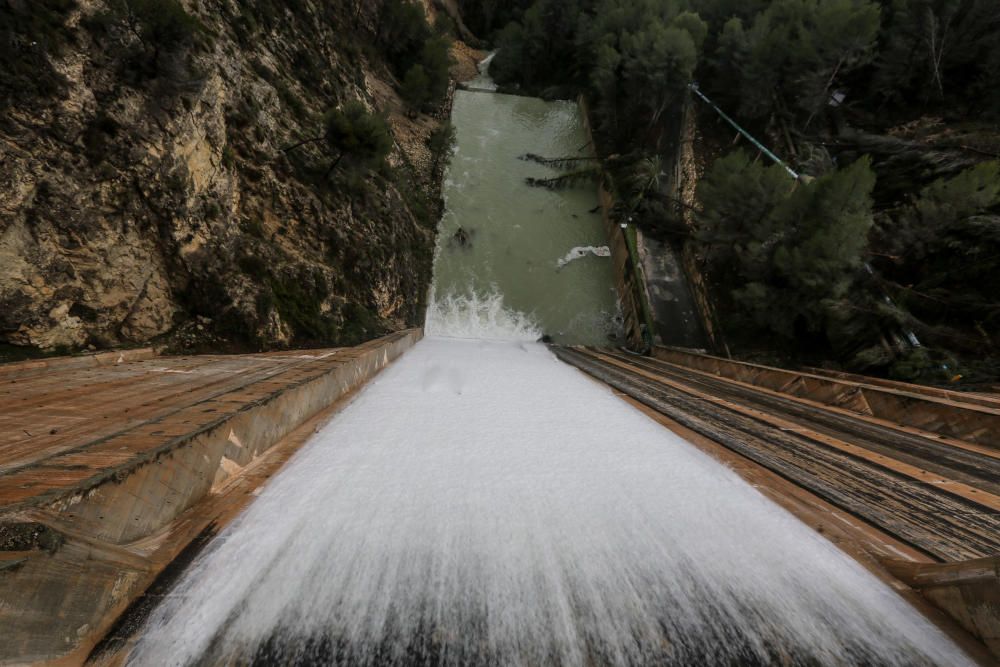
(480,502)
(483,503)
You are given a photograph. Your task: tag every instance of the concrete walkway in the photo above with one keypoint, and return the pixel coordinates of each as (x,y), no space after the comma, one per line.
(110,465)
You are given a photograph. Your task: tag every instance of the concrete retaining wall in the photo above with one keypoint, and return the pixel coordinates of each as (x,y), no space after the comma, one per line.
(946,415)
(628,281)
(73,558)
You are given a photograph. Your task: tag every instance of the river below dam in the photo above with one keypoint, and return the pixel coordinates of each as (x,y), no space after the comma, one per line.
(506,247)
(482,503)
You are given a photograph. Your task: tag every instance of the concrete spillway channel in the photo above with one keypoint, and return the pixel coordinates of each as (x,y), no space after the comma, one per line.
(483,503)
(904,477)
(113,466)
(110,465)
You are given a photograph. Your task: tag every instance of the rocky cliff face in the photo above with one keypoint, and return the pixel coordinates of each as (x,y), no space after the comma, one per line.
(145,193)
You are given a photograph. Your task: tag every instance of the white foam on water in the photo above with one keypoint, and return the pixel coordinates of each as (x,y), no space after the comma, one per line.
(483,81)
(583,251)
(481,502)
(478,316)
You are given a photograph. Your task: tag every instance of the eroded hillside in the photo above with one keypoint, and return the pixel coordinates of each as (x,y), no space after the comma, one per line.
(148,190)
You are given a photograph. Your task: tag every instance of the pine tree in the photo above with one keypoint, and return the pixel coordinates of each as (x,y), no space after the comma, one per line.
(416,87)
(658,63)
(787,251)
(355,134)
(947,245)
(738,198)
(402,31)
(435,58)
(824,228)
(937,48)
(794,52)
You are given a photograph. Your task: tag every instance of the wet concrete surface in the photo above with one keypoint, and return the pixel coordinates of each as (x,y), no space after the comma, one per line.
(670,299)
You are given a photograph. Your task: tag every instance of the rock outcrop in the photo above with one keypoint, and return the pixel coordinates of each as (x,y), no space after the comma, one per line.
(146,193)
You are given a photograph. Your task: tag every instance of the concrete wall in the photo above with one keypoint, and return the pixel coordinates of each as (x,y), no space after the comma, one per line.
(105,545)
(628,281)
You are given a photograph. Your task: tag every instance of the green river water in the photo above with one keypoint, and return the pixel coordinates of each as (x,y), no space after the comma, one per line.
(514,234)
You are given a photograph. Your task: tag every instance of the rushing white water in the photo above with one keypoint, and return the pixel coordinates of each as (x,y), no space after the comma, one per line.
(483,503)
(483,81)
(480,317)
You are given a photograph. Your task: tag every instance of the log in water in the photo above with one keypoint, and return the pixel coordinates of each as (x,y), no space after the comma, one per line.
(499,236)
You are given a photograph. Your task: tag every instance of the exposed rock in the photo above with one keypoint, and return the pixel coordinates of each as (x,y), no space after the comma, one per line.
(150,186)
(466,61)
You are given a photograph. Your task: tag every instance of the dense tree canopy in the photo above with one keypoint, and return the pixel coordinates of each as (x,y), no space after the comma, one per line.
(791,55)
(420,57)
(789,250)
(847,261)
(540,49)
(634,57)
(934,50)
(484,17)
(763,56)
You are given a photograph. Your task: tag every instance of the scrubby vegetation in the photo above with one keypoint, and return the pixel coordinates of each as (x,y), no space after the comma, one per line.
(245,143)
(419,57)
(441,142)
(354,133)
(888,109)
(30,34)
(156,34)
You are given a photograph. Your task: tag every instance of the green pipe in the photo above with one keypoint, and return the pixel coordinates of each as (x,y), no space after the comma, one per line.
(694,87)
